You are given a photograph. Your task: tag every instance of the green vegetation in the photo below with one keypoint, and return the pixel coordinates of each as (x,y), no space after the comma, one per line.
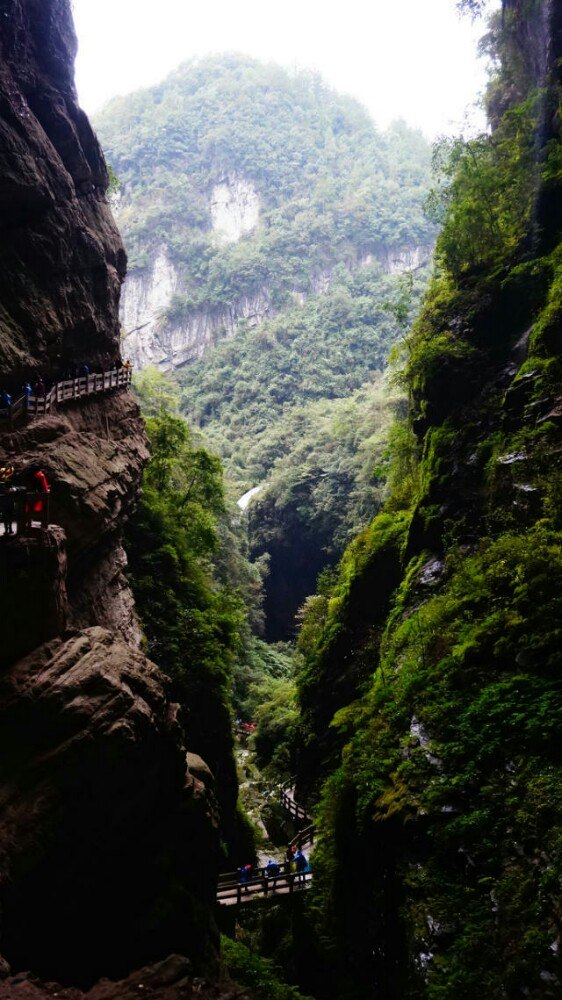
(340,213)
(430,706)
(194,588)
(258,974)
(329,184)
(199,599)
(257,395)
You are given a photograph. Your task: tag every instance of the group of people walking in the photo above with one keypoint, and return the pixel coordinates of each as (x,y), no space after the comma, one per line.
(83,370)
(295,864)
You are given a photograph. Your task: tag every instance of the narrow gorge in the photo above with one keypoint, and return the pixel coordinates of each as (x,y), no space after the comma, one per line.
(278,244)
(306,573)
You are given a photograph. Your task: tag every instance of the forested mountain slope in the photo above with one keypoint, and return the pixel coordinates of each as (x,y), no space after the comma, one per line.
(430,695)
(277,245)
(241,187)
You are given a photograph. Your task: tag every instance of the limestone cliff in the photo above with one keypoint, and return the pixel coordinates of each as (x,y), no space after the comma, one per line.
(62,259)
(150,337)
(243,188)
(63,264)
(100,819)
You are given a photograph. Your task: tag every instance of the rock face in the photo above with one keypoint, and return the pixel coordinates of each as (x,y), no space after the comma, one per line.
(33,591)
(169,343)
(92,453)
(150,339)
(62,267)
(235,208)
(62,259)
(170,979)
(99,814)
(107,841)
(434,717)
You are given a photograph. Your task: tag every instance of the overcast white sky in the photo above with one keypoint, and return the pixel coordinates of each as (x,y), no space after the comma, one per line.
(414,59)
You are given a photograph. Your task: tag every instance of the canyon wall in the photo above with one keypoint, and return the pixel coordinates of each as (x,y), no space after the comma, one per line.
(431,696)
(107,842)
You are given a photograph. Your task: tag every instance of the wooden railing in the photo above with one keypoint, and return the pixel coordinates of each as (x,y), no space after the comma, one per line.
(226,878)
(287,801)
(67,391)
(232,890)
(233,893)
(304,837)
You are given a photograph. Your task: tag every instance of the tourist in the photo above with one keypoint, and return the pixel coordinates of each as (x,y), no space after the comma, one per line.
(7,498)
(245,876)
(5,400)
(35,504)
(290,858)
(272,870)
(39,389)
(301,866)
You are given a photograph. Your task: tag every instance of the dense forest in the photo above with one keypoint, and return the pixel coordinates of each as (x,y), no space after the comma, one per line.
(430,693)
(330,187)
(336,259)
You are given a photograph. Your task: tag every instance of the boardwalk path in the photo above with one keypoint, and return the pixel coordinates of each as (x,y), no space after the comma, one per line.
(66,392)
(231,892)
(22,508)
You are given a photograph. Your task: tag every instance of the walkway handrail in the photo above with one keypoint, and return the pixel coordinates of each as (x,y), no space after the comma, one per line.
(289,783)
(303,837)
(288,802)
(226,878)
(67,391)
(231,889)
(242,892)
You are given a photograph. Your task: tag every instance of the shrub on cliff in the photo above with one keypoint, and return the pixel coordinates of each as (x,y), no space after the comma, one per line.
(193,623)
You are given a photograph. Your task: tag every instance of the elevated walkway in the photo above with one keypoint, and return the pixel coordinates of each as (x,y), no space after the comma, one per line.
(231,891)
(67,391)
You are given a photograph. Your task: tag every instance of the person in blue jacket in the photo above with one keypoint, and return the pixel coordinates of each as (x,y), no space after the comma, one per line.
(302,866)
(272,871)
(245,876)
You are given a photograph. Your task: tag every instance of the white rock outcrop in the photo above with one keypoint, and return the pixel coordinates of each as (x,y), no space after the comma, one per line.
(407,259)
(170,345)
(235,208)
(150,339)
(145,296)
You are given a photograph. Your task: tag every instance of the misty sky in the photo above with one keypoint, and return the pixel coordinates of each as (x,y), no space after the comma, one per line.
(414,59)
